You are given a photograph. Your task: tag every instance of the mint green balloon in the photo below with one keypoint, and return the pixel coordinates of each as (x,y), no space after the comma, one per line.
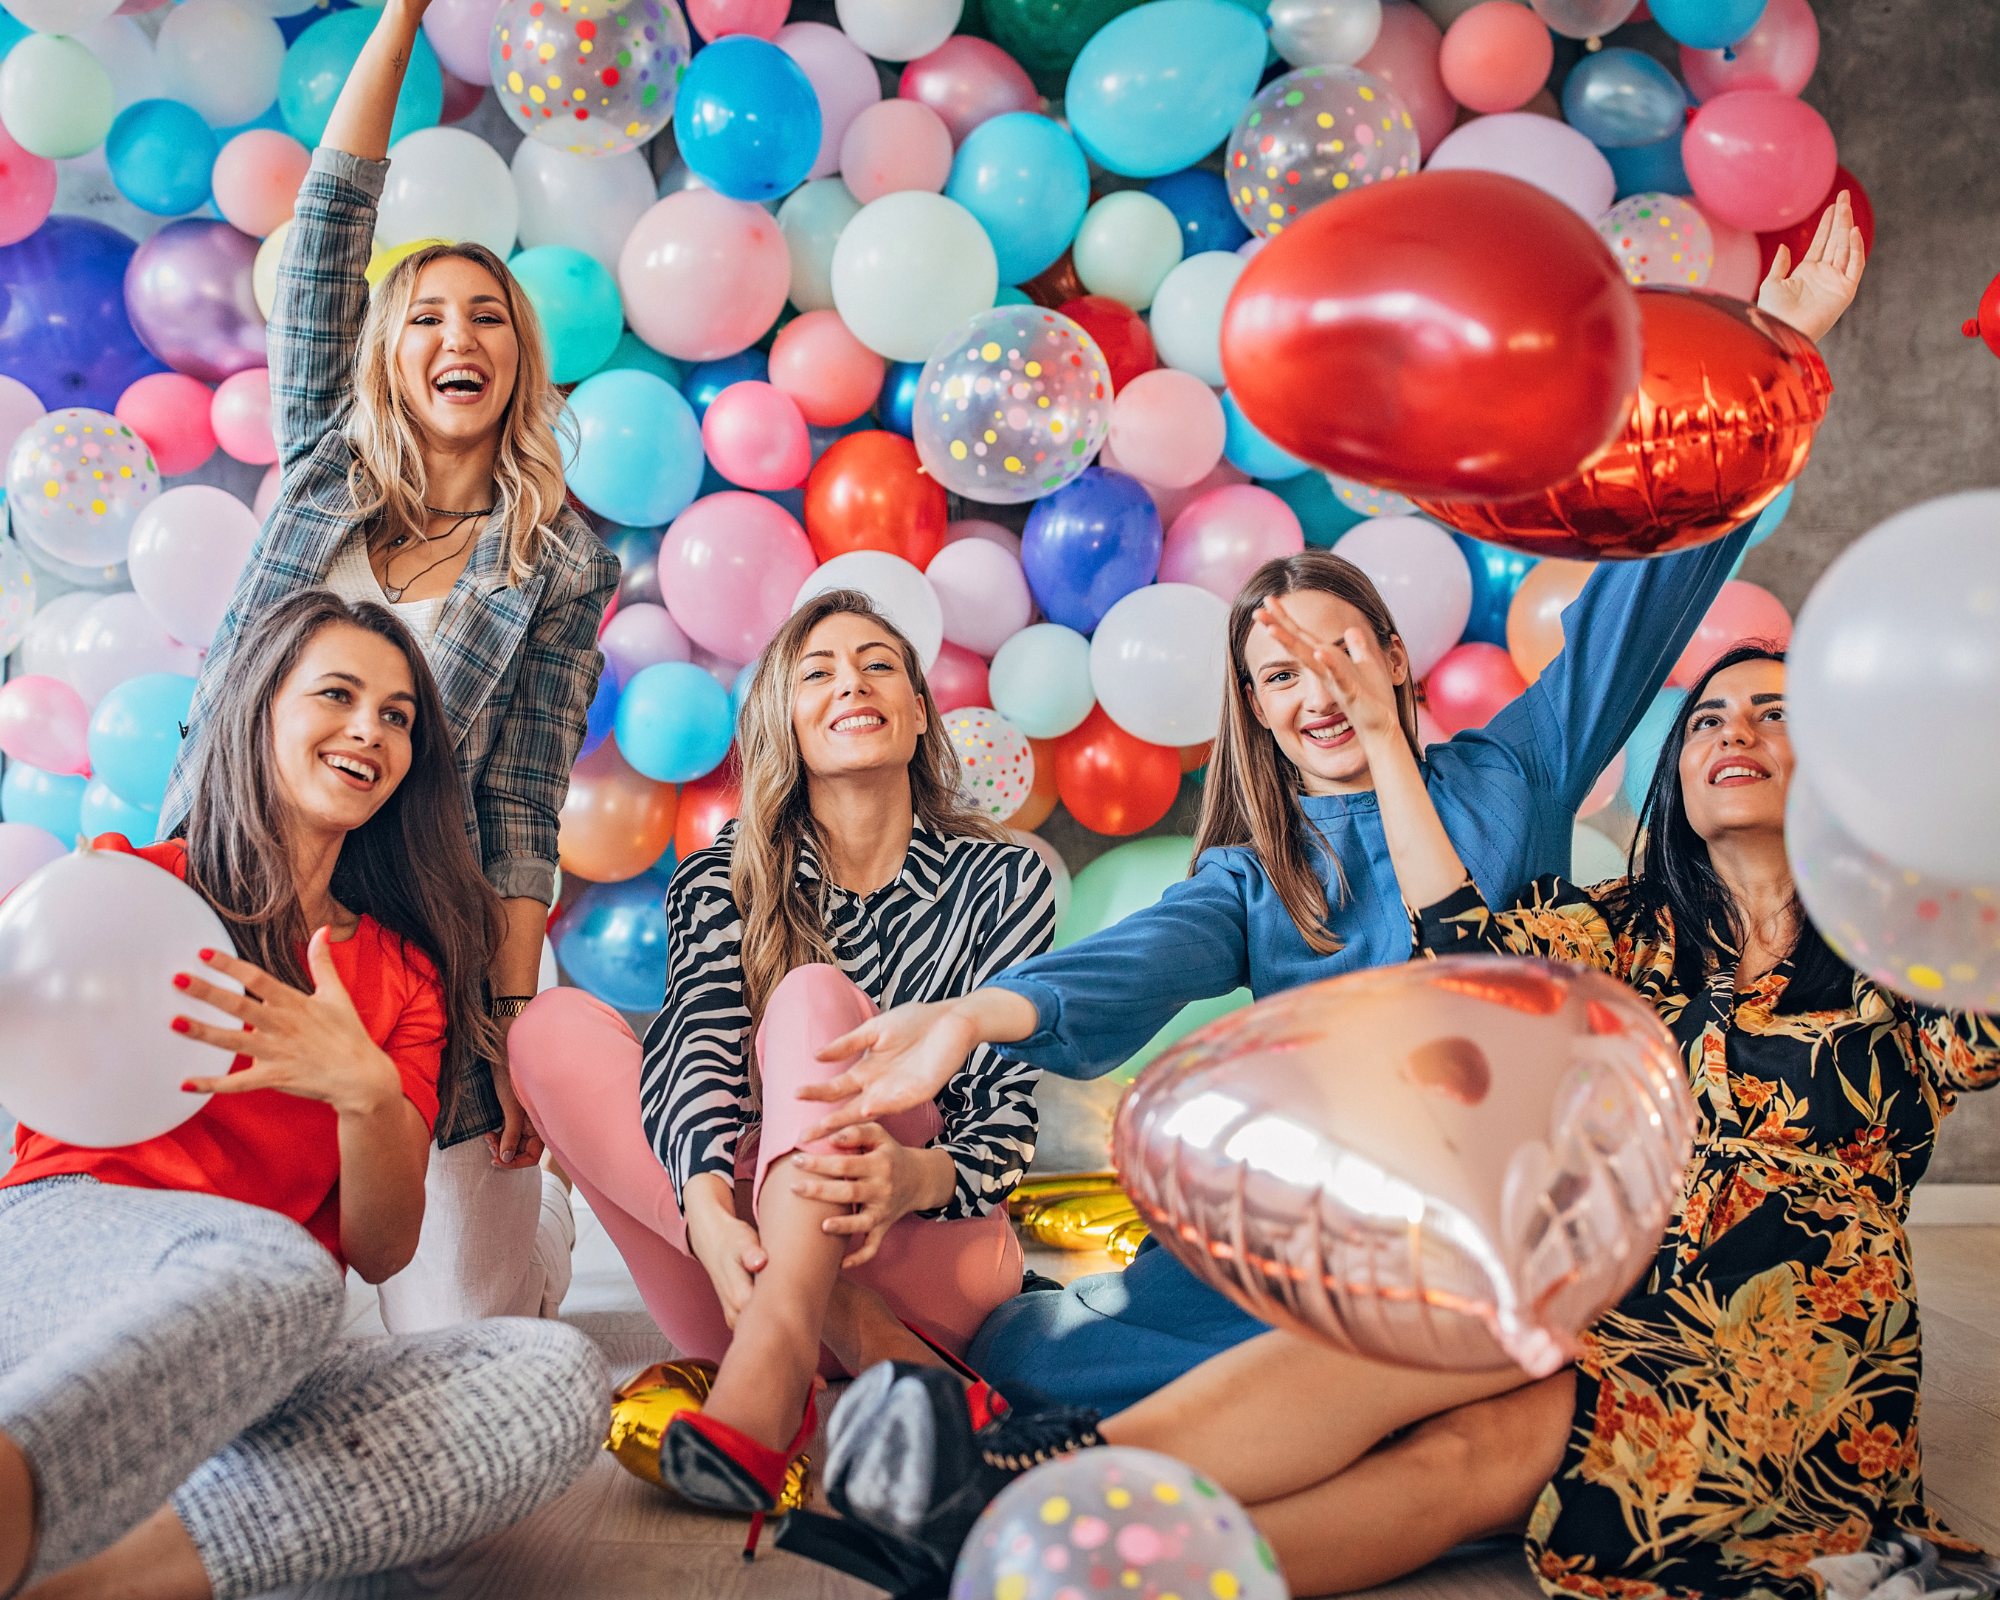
(1127,245)
(55,97)
(1121,881)
(577,302)
(632,351)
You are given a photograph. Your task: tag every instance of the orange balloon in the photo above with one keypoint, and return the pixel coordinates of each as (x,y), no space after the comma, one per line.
(870,492)
(706,804)
(1112,782)
(616,822)
(1534,617)
(1728,402)
(831,376)
(1195,756)
(1042,796)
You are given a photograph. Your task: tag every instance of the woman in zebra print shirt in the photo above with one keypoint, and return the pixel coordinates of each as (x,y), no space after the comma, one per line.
(855,879)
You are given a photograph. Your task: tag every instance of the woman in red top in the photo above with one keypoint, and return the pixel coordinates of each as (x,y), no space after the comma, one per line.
(178,1412)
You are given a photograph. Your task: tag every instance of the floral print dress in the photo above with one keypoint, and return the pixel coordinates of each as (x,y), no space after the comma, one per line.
(1752,1404)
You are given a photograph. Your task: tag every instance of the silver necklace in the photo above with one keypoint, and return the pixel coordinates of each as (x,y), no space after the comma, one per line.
(395,592)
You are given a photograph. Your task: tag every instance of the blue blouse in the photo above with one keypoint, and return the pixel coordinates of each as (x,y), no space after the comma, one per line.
(1507,793)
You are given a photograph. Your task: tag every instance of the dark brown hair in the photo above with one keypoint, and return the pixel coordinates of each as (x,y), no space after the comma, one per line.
(1252,794)
(410,866)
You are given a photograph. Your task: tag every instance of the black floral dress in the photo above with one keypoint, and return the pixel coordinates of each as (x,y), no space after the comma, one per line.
(1752,1404)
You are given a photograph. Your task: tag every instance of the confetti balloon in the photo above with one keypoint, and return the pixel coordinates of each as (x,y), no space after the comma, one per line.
(76,483)
(17,594)
(593,77)
(1368,500)
(1659,238)
(1111,1520)
(1013,406)
(1312,135)
(996,765)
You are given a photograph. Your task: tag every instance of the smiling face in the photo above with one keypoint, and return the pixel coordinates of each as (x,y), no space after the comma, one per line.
(456,356)
(341,723)
(1737,762)
(1308,724)
(855,708)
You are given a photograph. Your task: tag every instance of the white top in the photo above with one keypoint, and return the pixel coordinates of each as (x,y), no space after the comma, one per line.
(354,580)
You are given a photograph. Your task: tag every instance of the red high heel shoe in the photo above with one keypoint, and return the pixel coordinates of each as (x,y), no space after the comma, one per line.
(715,1465)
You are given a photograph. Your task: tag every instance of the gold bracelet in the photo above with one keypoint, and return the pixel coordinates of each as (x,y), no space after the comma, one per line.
(508,1005)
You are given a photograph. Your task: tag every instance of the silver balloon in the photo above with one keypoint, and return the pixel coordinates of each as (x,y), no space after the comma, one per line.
(1455,1165)
(1584,19)
(1324,33)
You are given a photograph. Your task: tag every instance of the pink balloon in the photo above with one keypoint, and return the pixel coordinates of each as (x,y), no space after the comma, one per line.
(730,567)
(257,177)
(843,79)
(1758,159)
(24,851)
(1168,428)
(169,410)
(1605,790)
(27,189)
(1428,731)
(1743,613)
(957,678)
(831,375)
(966,81)
(1779,53)
(461,99)
(1422,577)
(978,528)
(703,276)
(754,436)
(240,414)
(1496,57)
(1551,155)
(461,32)
(641,635)
(118,638)
(44,722)
(981,591)
(267,495)
(1470,684)
(713,19)
(1170,503)
(895,145)
(1405,57)
(1226,535)
(1738,268)
(188,549)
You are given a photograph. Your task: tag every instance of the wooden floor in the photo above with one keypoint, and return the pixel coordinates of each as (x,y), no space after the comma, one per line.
(612,1537)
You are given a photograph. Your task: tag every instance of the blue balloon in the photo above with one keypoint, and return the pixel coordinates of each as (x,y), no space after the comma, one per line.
(135,734)
(704,382)
(103,812)
(317,66)
(1160,86)
(576,300)
(12,33)
(746,119)
(1322,514)
(1008,295)
(1650,168)
(161,155)
(1249,451)
(48,800)
(637,458)
(613,942)
(603,714)
(1199,201)
(1642,750)
(64,332)
(898,400)
(1708,24)
(739,693)
(1618,98)
(1496,573)
(1769,518)
(674,722)
(1023,177)
(634,352)
(1090,544)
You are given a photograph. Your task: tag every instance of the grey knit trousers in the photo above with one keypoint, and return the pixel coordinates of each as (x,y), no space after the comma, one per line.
(164,1348)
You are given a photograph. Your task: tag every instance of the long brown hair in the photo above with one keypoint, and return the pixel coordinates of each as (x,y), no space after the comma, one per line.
(784,920)
(410,866)
(1252,794)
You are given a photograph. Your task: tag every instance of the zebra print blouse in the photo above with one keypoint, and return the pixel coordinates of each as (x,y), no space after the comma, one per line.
(960,911)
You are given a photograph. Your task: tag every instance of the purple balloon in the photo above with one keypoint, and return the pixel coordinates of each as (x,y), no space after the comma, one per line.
(189,296)
(63,330)
(1090,544)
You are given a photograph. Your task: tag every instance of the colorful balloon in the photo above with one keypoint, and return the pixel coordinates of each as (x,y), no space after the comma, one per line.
(812,220)
(830,375)
(898,30)
(1759,159)
(1168,428)
(1421,576)
(1025,180)
(703,276)
(843,80)
(135,734)
(968,81)
(1496,573)
(162,156)
(716,19)
(1620,97)
(1534,618)
(1041,681)
(77,480)
(1159,662)
(66,336)
(909,271)
(746,120)
(49,801)
(1088,545)
(1659,239)
(256,180)
(674,722)
(1495,57)
(870,492)
(1583,19)
(26,849)
(169,411)
(1187,314)
(27,189)
(1312,136)
(898,590)
(641,634)
(1779,53)
(729,569)
(613,942)
(189,296)
(706,804)
(1249,450)
(115,639)
(1112,782)
(754,436)
(615,822)
(1469,685)
(1129,241)
(895,145)
(240,416)
(44,722)
(1405,57)
(1199,200)
(17,594)
(1741,614)
(1160,86)
(221,60)
(445,183)
(958,679)
(459,31)
(1122,335)
(1708,24)
(1799,237)
(1552,156)
(55,97)
(637,458)
(1324,33)
(187,550)
(982,595)
(317,65)
(589,203)
(996,766)
(591,85)
(1225,535)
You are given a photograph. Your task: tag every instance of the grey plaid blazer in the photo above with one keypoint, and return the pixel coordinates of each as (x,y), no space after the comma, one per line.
(517,667)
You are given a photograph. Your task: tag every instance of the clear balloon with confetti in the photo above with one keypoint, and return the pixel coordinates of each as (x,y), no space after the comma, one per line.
(76,482)
(996,764)
(1013,406)
(1660,239)
(1312,136)
(1368,500)
(17,594)
(593,77)
(1115,1521)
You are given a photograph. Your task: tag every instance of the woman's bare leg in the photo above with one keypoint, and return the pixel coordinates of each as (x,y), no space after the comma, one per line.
(155,1561)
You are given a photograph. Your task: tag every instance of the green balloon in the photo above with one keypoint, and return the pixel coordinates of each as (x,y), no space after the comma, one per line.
(1045,36)
(1122,881)
(577,302)
(55,97)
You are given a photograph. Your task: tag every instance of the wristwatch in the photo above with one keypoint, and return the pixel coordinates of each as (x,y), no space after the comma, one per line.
(508,1005)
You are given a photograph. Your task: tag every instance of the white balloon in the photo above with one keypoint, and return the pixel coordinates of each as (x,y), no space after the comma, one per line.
(278,8)
(267,494)
(1058,867)
(1324,33)
(812,219)
(1158,663)
(264,270)
(17,594)
(589,203)
(445,183)
(1039,680)
(1897,649)
(126,53)
(898,30)
(1551,155)
(89,947)
(910,270)
(983,593)
(1422,577)
(718,667)
(20,408)
(1593,857)
(46,641)
(899,590)
(118,638)
(188,548)
(60,16)
(221,59)
(978,528)
(1187,313)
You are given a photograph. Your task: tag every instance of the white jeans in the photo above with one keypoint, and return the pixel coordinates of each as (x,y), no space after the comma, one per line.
(495,1243)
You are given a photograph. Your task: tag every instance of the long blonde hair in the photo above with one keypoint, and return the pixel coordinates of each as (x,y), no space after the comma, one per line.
(387,477)
(784,920)
(1252,794)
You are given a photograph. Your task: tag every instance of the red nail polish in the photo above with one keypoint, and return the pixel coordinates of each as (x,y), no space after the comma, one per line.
(181,1024)
(182,980)
(187,1087)
(206,955)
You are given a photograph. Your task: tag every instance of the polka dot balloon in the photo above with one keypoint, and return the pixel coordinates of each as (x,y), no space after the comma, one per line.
(17,594)
(996,762)
(593,77)
(1012,406)
(1368,500)
(1312,136)
(76,482)
(1115,1522)
(1660,239)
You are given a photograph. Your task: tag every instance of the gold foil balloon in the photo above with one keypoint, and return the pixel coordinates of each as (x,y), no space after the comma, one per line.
(643,1406)
(1454,1164)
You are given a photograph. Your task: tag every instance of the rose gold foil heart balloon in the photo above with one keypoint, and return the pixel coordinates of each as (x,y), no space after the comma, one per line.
(1453,1164)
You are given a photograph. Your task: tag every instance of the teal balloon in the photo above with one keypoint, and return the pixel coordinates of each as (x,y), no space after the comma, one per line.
(747,119)
(1008,295)
(12,33)
(1320,511)
(162,155)
(1642,750)
(1162,85)
(577,302)
(135,734)
(634,353)
(1496,573)
(1649,168)
(103,812)
(49,800)
(1769,518)
(637,458)
(1121,881)
(1245,448)
(1023,178)
(316,69)
(674,722)
(1622,99)
(1708,24)
(739,693)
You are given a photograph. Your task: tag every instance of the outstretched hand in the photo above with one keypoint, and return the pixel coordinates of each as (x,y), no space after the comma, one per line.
(1352,671)
(1812,295)
(896,1060)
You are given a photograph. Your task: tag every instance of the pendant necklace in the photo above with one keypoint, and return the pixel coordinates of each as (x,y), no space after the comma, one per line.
(395,592)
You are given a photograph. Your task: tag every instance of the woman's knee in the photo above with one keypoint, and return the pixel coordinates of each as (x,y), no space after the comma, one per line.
(558,1388)
(812,1005)
(277,1276)
(561,1033)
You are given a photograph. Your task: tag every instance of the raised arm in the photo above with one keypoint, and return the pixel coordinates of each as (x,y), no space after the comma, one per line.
(366,109)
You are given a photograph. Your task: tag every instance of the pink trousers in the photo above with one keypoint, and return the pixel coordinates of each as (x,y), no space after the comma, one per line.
(575,1066)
